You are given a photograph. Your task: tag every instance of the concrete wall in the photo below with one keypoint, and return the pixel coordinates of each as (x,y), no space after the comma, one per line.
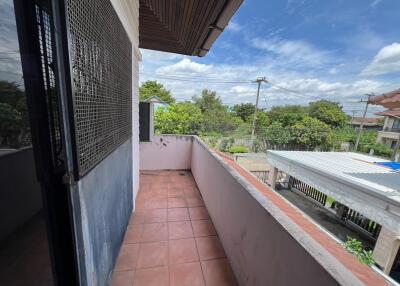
(20,194)
(104,197)
(259,248)
(167,152)
(386,248)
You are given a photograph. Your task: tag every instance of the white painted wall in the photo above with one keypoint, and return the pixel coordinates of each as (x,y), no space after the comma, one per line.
(166,152)
(128,12)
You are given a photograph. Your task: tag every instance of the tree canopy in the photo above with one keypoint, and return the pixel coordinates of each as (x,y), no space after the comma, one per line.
(179,118)
(329,112)
(244,111)
(153,88)
(288,114)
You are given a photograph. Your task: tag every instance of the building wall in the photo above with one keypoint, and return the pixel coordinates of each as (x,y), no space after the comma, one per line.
(386,248)
(20,194)
(166,153)
(258,255)
(105,198)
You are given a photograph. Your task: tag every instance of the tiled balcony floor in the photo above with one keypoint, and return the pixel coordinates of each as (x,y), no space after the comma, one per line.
(170,239)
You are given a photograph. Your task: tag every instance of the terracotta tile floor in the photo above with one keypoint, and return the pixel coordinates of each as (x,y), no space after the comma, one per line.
(171,239)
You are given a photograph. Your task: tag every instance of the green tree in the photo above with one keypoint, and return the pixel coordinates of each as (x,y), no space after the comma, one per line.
(312,132)
(288,115)
(14,123)
(153,88)
(180,118)
(244,110)
(276,133)
(217,118)
(208,100)
(262,122)
(329,112)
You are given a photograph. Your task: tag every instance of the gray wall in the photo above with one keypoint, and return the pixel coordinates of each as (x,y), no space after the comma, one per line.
(20,195)
(103,204)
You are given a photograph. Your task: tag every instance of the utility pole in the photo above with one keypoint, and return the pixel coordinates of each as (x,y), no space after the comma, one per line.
(259,81)
(362,122)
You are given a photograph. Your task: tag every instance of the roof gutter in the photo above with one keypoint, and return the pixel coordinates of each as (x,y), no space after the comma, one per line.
(218,27)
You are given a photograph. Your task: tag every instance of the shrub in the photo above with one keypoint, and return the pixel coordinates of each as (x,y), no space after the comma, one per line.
(379,149)
(226,143)
(238,149)
(355,247)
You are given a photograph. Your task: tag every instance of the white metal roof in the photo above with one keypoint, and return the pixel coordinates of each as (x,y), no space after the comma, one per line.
(351,178)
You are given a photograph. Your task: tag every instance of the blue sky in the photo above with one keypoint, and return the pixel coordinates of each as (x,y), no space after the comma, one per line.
(332,49)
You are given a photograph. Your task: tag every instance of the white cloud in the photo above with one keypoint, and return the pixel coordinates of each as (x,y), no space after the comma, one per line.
(387,60)
(293,52)
(312,86)
(234,26)
(375,3)
(185,66)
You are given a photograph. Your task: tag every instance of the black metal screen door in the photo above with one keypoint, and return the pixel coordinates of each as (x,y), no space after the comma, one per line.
(144,121)
(36,35)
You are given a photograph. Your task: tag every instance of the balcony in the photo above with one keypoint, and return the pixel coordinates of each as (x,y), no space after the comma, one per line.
(391,129)
(200,219)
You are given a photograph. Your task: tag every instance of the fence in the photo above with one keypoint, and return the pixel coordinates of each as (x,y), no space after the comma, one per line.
(348,215)
(371,227)
(309,191)
(261,175)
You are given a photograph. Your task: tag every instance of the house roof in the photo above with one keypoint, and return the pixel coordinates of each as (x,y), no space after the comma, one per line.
(353,179)
(389,100)
(183,27)
(390,112)
(366,120)
(155,99)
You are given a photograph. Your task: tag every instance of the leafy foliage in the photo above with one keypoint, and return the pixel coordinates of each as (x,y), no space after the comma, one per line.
(14,123)
(355,247)
(153,88)
(217,118)
(244,111)
(328,112)
(312,132)
(208,100)
(288,115)
(277,134)
(180,118)
(238,149)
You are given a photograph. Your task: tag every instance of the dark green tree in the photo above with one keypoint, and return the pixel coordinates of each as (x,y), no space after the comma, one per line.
(288,115)
(153,88)
(329,112)
(244,110)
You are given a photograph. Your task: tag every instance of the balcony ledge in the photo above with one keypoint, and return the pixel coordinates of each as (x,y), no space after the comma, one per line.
(343,267)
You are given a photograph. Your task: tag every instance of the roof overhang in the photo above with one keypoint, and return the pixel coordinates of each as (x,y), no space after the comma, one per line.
(324,172)
(183,27)
(389,100)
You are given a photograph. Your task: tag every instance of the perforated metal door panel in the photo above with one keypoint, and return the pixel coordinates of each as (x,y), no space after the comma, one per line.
(101,74)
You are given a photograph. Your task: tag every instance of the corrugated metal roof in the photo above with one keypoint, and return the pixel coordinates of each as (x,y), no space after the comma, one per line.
(354,168)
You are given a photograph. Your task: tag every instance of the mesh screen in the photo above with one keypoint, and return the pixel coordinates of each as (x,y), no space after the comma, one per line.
(101,64)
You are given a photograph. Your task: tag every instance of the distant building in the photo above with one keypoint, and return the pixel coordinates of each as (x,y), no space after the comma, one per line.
(390,133)
(369,122)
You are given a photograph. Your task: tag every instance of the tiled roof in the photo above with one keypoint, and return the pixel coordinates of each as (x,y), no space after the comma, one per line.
(389,100)
(389,112)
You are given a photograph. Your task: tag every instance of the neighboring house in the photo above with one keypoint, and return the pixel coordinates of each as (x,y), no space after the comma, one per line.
(146,117)
(368,122)
(390,100)
(390,134)
(365,189)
